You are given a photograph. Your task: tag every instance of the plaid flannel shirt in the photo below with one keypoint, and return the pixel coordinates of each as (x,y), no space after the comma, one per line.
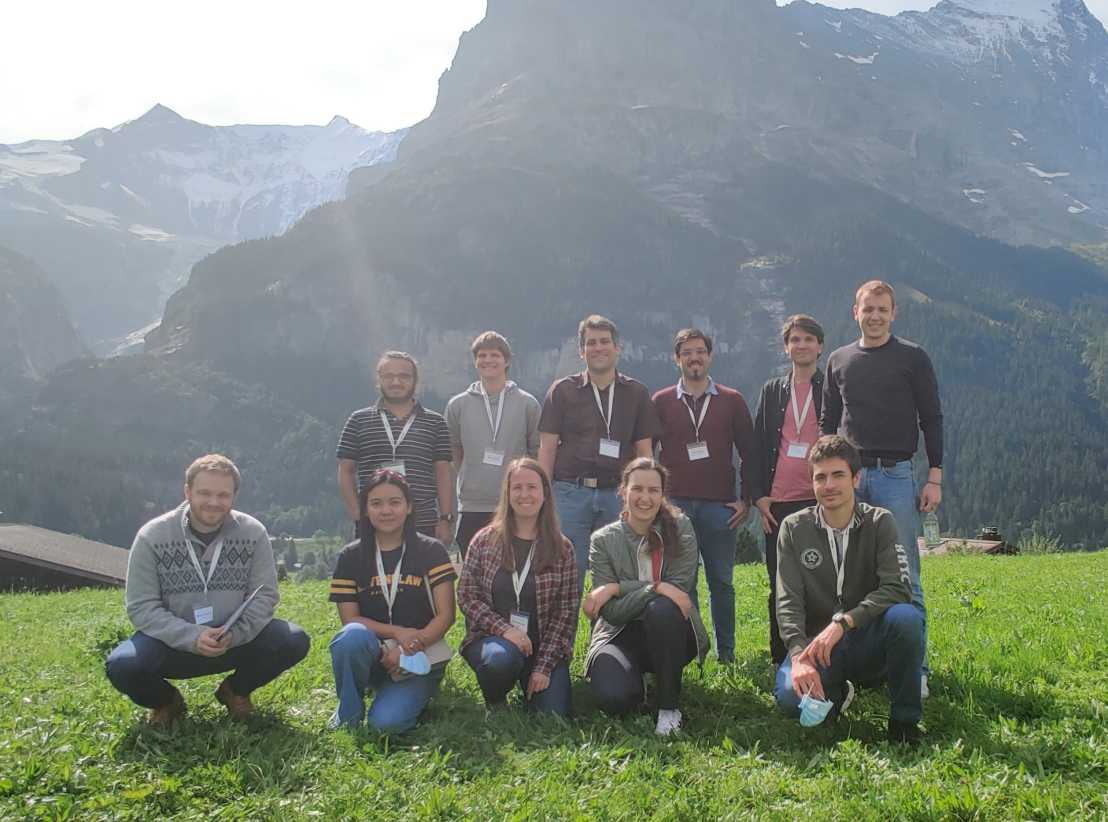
(557,599)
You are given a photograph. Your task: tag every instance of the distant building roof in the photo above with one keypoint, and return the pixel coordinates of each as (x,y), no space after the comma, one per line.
(67,553)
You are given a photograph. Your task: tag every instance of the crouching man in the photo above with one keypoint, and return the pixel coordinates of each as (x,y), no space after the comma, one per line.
(843,598)
(189,571)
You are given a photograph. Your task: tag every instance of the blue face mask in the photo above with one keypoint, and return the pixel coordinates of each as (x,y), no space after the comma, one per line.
(813,711)
(416,663)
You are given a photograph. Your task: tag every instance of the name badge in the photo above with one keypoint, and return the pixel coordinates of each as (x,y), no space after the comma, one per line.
(398,467)
(698,451)
(203,615)
(520,620)
(609,448)
(493,457)
(798,450)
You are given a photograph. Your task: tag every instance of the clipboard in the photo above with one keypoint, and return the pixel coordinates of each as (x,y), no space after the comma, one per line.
(231,620)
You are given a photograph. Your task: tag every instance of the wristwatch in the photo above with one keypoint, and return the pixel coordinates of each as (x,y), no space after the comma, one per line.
(447,517)
(840,618)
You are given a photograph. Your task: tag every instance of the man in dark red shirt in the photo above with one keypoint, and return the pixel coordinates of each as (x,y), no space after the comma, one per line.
(703,423)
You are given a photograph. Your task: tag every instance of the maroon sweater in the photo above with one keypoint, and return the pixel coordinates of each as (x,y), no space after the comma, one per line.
(726,426)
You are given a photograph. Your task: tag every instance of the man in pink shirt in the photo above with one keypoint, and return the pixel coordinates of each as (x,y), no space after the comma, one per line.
(786,425)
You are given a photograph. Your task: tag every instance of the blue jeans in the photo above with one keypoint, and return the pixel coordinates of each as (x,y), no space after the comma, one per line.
(581,511)
(500,666)
(889,648)
(140,666)
(356,661)
(717,551)
(895,489)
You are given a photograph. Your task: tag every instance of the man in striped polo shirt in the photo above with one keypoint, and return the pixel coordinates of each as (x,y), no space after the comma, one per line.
(400,434)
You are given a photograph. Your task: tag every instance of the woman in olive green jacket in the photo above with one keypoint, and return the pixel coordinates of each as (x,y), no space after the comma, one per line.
(643,567)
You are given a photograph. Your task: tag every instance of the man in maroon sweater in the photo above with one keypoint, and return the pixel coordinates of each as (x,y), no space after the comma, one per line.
(703,423)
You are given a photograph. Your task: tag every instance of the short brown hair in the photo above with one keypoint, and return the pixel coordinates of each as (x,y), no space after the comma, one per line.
(833,446)
(491,340)
(686,334)
(596,322)
(400,355)
(874,287)
(217,464)
(804,323)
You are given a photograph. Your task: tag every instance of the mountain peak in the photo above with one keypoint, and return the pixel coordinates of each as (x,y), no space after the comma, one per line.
(160,114)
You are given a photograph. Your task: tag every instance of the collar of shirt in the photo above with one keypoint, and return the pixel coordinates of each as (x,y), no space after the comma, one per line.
(417,409)
(682,393)
(584,380)
(855,521)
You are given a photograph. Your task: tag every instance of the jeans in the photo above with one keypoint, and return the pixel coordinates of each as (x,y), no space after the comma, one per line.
(140,666)
(780,510)
(889,648)
(581,511)
(356,662)
(661,642)
(895,489)
(500,666)
(716,540)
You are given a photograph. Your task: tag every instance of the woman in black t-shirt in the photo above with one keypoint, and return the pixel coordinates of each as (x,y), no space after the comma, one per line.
(519,594)
(395,595)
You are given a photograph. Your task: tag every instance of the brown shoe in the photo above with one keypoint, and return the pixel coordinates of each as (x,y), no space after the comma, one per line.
(239,707)
(163,718)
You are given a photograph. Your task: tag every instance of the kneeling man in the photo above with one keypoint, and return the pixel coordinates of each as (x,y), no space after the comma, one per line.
(189,571)
(843,598)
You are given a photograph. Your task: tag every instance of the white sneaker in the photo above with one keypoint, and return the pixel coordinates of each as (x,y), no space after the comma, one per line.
(924,691)
(669,722)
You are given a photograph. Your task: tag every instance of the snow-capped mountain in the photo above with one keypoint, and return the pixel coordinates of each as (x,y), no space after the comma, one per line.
(117,216)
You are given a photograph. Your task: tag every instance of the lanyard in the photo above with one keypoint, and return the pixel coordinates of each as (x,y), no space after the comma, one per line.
(703,413)
(840,563)
(611,403)
(499,410)
(205,581)
(519,578)
(798,416)
(389,591)
(393,441)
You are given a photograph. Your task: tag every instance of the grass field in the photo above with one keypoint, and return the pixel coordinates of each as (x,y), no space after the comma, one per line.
(1017,726)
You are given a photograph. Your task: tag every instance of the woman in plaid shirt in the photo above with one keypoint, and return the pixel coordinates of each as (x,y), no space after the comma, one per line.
(518,592)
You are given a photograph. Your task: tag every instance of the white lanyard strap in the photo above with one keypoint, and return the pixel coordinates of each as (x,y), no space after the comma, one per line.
(800,416)
(205,581)
(393,441)
(840,564)
(499,411)
(611,404)
(519,578)
(389,591)
(703,413)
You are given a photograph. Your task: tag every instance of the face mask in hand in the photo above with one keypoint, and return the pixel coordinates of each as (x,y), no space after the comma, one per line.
(813,711)
(416,663)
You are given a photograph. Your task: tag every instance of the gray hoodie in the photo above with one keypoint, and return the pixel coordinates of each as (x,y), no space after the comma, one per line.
(163,588)
(468,421)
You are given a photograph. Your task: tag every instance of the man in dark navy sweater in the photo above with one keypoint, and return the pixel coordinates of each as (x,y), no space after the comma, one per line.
(880,392)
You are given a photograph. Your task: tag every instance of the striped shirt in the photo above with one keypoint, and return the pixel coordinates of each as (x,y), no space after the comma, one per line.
(364,440)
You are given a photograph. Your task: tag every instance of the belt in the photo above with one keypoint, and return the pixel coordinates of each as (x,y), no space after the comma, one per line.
(594,482)
(880,462)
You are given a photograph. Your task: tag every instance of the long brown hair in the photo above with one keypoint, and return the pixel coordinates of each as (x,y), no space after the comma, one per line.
(551,543)
(663,536)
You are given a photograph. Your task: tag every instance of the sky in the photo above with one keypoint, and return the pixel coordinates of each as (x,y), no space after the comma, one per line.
(67,67)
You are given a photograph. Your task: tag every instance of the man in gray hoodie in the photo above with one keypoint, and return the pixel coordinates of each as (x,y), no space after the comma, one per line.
(189,572)
(491,423)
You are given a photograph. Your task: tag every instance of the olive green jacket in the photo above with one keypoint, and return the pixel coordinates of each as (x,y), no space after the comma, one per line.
(613,557)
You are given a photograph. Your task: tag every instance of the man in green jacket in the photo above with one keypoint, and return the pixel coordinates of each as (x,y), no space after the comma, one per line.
(843,598)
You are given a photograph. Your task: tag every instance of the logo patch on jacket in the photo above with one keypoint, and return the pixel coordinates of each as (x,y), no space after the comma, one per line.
(811,559)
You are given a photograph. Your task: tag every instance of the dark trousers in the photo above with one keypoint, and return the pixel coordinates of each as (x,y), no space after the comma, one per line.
(469,523)
(661,642)
(779,510)
(500,667)
(140,666)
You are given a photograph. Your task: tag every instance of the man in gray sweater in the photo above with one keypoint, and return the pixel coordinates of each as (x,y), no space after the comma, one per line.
(843,598)
(189,572)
